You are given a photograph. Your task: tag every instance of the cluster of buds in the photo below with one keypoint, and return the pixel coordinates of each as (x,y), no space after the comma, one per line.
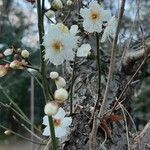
(56,5)
(19,60)
(59,81)
(60,95)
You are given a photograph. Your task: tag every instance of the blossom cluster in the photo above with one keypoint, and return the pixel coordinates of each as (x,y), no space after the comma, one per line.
(61,123)
(19,60)
(97,19)
(61,43)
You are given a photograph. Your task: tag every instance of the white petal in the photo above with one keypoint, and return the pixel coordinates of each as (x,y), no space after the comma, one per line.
(66,122)
(60,114)
(106,15)
(61,132)
(74,29)
(67,39)
(84,12)
(46,131)
(94,5)
(45,121)
(110,29)
(83,50)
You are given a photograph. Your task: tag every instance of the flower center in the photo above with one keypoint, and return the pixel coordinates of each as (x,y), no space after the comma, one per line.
(56,122)
(95,15)
(57,46)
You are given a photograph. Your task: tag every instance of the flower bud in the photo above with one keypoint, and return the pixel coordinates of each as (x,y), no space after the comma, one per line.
(54,75)
(60,82)
(50,13)
(25,54)
(8,52)
(24,62)
(7,132)
(60,95)
(57,4)
(1,55)
(3,70)
(16,65)
(69,2)
(51,108)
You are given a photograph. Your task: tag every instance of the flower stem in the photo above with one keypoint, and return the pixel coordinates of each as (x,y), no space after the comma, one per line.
(40,12)
(54,141)
(72,83)
(98,65)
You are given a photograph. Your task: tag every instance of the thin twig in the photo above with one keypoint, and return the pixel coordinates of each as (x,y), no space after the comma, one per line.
(126,125)
(96,123)
(98,66)
(72,83)
(21,136)
(40,13)
(12,102)
(20,115)
(27,129)
(47,145)
(112,61)
(129,82)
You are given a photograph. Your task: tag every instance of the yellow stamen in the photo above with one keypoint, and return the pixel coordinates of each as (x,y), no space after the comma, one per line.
(57,46)
(56,122)
(95,15)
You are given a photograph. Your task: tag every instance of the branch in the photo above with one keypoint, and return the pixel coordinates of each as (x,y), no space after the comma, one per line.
(142,140)
(134,55)
(112,61)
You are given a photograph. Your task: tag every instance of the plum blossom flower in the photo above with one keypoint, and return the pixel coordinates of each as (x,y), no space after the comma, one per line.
(94,17)
(84,50)
(110,29)
(61,124)
(59,44)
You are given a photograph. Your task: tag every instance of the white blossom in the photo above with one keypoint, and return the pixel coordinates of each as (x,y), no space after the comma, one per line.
(84,50)
(110,29)
(59,44)
(94,16)
(61,124)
